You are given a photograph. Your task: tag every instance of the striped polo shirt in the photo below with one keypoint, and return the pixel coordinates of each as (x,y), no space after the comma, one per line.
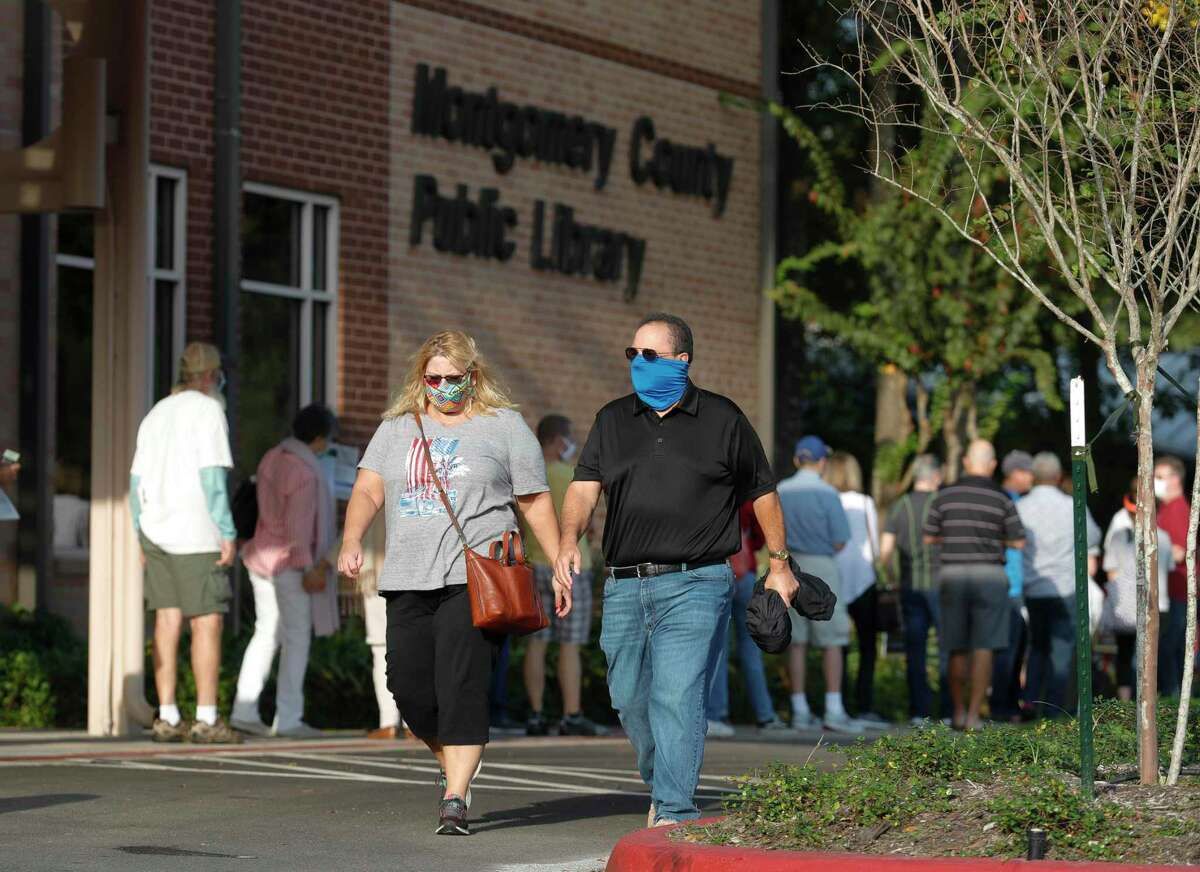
(973,518)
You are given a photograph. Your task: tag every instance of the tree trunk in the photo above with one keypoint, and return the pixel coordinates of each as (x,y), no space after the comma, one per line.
(1146,542)
(1189,652)
(952,431)
(893,426)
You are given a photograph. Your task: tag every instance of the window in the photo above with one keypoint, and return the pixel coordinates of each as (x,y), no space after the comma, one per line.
(166,308)
(289,280)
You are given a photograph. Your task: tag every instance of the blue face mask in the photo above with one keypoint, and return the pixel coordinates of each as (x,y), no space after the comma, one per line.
(660,384)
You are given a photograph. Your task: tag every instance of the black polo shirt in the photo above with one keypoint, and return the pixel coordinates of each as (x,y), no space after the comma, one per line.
(674,483)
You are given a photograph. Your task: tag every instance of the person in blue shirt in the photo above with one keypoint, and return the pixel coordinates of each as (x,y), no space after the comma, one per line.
(817,528)
(1017,469)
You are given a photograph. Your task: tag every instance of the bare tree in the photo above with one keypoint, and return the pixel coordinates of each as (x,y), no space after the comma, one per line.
(1089,113)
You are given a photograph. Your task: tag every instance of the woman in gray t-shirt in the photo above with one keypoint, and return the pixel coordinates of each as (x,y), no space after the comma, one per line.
(484,455)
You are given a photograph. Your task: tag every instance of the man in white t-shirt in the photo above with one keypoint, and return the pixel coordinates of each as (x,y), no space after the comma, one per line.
(180,507)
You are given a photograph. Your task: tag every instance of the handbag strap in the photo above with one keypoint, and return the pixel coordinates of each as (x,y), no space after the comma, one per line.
(438,482)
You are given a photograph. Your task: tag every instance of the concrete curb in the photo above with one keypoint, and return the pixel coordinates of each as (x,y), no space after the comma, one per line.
(653,850)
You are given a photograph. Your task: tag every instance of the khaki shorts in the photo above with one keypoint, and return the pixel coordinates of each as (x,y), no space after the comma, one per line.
(834,633)
(192,583)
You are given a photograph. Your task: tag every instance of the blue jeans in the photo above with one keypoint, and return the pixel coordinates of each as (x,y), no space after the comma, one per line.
(750,657)
(921,614)
(1051,649)
(1006,668)
(660,636)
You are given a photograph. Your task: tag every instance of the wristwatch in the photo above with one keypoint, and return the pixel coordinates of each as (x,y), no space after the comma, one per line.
(779,555)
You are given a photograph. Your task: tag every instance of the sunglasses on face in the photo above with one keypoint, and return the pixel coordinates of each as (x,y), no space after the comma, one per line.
(436,380)
(648,354)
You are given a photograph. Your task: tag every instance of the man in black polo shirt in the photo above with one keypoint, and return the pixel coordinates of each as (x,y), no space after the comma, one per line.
(973,521)
(674,463)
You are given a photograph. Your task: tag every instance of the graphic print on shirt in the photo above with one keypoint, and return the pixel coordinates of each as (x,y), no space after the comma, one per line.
(420,498)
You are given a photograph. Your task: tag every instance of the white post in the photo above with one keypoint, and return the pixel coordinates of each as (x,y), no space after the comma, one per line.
(1078,440)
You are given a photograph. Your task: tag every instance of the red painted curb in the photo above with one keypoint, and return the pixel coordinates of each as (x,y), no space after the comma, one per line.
(653,851)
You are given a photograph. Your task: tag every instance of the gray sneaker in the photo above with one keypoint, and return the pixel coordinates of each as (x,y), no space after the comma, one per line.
(452,818)
(253,727)
(843,723)
(441,783)
(300,731)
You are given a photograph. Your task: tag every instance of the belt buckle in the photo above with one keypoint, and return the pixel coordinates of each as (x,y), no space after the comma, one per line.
(649,570)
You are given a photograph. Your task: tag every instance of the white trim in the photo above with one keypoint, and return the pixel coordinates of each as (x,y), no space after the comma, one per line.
(176,274)
(75,261)
(305,293)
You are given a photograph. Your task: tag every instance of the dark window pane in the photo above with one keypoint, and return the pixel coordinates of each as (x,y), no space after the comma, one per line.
(269,390)
(75,234)
(271,240)
(164,338)
(319,349)
(164,226)
(320,247)
(74,380)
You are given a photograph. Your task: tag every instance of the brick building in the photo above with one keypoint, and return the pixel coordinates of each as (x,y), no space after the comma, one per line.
(539,174)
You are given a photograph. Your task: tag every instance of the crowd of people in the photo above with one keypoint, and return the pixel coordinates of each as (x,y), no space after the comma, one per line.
(694,519)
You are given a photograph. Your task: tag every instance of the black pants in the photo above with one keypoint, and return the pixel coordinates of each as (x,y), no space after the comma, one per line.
(863,611)
(1126,645)
(439,666)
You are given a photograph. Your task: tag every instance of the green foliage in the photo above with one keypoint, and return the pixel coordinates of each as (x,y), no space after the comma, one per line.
(897,777)
(25,696)
(43,671)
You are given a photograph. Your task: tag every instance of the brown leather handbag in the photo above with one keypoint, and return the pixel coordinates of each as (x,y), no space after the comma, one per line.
(504,597)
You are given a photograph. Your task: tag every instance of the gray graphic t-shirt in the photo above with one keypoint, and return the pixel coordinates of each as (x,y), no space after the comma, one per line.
(484,463)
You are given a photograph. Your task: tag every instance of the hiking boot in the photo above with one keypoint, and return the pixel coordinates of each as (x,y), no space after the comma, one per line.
(536,725)
(452,818)
(578,725)
(166,732)
(219,733)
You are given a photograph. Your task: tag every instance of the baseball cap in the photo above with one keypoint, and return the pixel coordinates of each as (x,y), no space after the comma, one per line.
(1015,460)
(810,449)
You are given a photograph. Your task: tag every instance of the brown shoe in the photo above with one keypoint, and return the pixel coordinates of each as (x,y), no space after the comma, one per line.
(383,733)
(219,733)
(165,732)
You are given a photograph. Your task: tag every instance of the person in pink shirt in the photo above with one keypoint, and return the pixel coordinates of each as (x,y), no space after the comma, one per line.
(295,589)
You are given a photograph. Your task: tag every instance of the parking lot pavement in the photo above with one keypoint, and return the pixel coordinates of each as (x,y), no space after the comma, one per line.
(540,805)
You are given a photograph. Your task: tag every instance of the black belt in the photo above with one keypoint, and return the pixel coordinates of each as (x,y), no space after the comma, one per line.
(649,570)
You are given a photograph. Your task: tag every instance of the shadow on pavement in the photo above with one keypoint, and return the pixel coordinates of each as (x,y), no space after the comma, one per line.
(573,808)
(44,800)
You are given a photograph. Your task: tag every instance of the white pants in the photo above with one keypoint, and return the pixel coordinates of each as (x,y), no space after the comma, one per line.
(283,618)
(375,614)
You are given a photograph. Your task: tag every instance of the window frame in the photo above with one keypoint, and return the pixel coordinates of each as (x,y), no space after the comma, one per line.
(155,273)
(305,292)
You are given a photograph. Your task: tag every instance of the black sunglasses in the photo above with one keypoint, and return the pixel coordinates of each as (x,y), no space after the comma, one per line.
(648,354)
(435,380)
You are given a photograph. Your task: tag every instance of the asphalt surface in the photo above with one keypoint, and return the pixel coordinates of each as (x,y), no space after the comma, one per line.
(540,805)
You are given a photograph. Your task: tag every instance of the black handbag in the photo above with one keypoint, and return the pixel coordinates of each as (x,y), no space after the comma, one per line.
(889,617)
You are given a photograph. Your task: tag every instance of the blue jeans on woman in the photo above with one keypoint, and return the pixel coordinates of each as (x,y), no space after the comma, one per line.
(921,614)
(750,657)
(660,636)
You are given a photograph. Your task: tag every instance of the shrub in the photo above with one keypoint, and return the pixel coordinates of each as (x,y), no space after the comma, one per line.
(43,671)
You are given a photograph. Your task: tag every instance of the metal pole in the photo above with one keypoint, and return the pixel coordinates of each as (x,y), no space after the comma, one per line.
(1083,637)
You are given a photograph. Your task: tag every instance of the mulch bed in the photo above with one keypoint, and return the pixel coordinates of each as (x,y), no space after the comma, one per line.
(1162,827)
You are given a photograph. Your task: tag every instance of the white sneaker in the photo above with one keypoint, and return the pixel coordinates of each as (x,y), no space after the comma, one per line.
(650,817)
(919,722)
(254,727)
(720,730)
(805,721)
(300,731)
(843,723)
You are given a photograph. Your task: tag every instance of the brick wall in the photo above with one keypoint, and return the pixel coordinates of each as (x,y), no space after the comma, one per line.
(181,134)
(315,117)
(11,46)
(558,340)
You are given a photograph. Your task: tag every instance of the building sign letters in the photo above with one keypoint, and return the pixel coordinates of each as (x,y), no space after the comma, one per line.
(479,226)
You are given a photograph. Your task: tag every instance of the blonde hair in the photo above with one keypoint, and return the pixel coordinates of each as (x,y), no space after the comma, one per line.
(487,395)
(843,472)
(197,359)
